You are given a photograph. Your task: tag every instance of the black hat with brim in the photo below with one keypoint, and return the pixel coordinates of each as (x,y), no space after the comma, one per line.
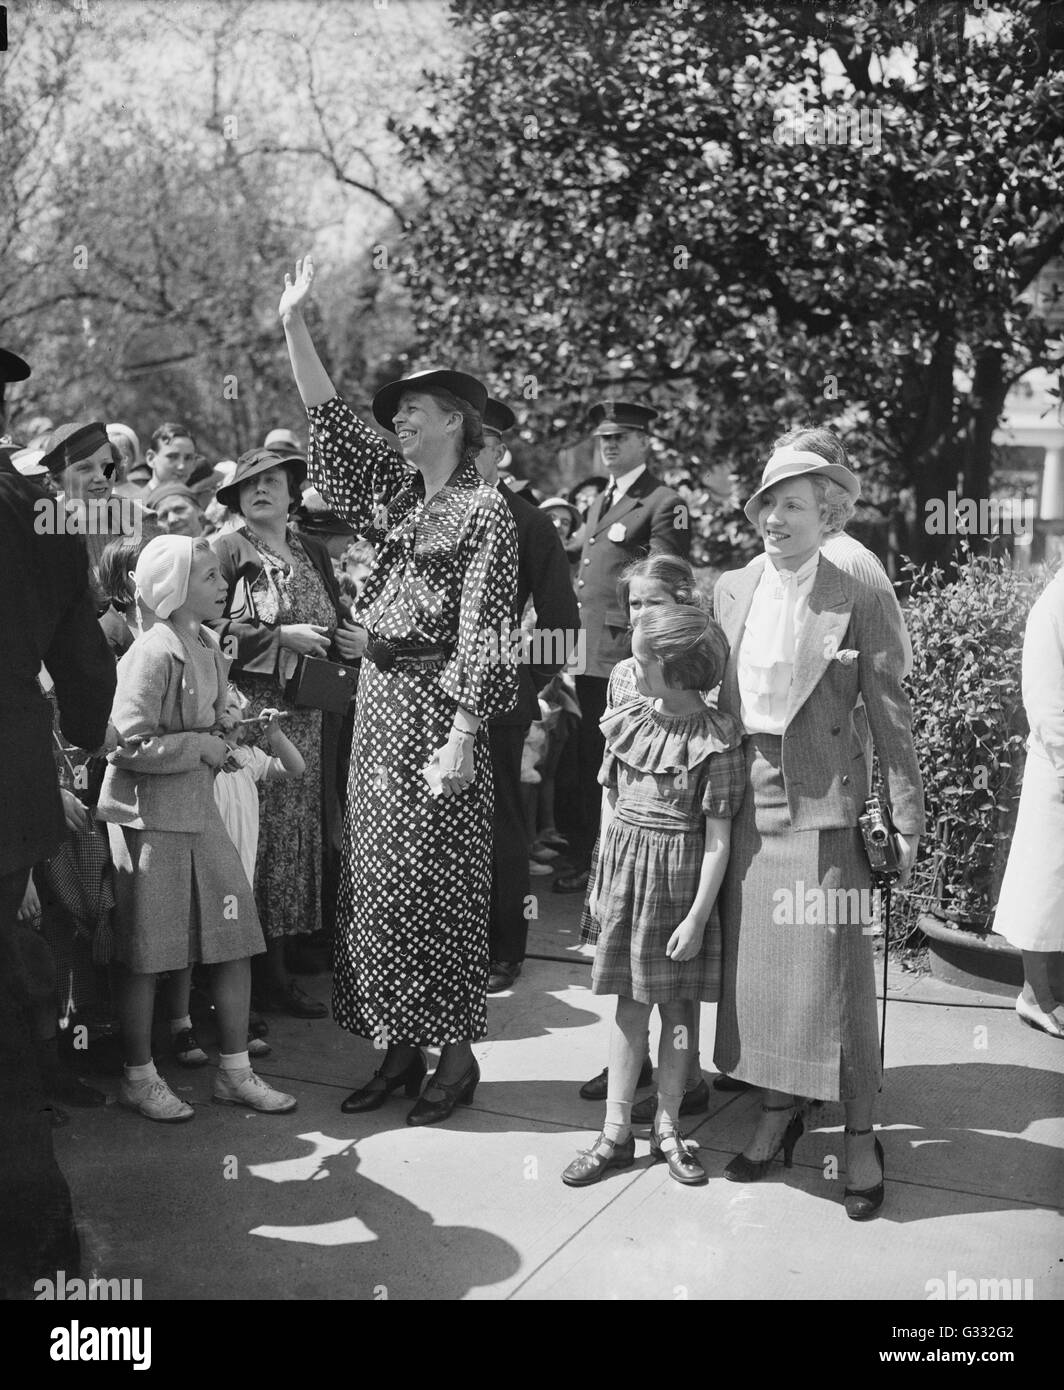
(498,417)
(252,463)
(466,388)
(12,367)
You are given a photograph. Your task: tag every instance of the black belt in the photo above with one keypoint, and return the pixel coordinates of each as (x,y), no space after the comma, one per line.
(387,655)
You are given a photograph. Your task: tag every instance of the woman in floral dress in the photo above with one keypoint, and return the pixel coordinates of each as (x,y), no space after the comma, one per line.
(283,602)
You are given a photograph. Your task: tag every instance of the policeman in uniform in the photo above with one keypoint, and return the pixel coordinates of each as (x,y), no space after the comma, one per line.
(543,574)
(637,515)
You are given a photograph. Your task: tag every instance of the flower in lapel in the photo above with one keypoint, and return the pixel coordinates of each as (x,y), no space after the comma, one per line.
(617,533)
(846,655)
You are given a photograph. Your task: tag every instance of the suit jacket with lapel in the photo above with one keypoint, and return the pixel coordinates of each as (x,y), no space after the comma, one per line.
(655,519)
(825,766)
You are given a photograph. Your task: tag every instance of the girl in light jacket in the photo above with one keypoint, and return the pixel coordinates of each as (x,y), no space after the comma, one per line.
(182,895)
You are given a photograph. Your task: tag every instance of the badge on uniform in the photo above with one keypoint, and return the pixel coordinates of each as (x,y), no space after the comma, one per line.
(617,533)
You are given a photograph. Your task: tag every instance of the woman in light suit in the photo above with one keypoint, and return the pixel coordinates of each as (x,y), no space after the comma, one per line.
(797,1015)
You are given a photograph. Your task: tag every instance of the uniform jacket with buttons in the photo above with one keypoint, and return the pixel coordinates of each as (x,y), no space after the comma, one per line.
(655,520)
(825,764)
(159,781)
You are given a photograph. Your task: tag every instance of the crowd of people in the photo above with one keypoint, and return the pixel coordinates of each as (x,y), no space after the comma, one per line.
(285,728)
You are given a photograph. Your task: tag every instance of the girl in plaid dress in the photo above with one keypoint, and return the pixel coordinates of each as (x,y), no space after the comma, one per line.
(673,778)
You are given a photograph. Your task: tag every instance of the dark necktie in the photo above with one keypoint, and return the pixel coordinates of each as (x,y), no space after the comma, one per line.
(608,498)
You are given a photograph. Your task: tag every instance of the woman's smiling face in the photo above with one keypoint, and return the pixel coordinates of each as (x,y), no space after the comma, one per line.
(89,479)
(790,523)
(421,425)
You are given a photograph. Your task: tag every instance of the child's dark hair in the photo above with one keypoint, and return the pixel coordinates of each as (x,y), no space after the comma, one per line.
(691,647)
(170,430)
(118,560)
(672,572)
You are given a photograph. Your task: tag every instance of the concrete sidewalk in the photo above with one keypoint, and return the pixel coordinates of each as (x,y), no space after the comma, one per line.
(327,1206)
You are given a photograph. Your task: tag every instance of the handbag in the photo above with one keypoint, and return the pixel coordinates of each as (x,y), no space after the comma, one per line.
(317,683)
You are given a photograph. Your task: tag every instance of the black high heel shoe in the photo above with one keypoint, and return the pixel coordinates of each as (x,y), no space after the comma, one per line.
(372,1098)
(461,1092)
(743,1169)
(862,1204)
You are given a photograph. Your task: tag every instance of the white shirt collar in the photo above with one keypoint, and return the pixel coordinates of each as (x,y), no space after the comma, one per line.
(625,481)
(803,576)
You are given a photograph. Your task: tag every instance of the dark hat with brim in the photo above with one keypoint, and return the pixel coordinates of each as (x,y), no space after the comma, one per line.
(498,417)
(613,417)
(70,443)
(800,463)
(165,490)
(12,367)
(257,461)
(466,388)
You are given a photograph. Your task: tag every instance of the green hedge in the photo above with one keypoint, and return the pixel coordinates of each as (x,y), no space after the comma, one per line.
(970,728)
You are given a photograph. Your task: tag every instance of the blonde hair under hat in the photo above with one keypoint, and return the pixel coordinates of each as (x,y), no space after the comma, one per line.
(162,573)
(800,463)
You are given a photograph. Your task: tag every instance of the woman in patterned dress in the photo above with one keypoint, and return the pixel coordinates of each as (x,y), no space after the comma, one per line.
(283,601)
(412,930)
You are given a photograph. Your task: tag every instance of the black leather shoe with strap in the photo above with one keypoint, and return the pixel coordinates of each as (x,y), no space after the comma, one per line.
(684,1164)
(460,1092)
(743,1169)
(590,1165)
(382,1086)
(860,1205)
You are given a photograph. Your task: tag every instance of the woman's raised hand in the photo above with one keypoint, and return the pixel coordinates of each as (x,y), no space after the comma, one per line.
(295,291)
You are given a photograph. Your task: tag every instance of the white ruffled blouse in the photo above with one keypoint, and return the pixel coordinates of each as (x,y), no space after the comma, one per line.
(770,638)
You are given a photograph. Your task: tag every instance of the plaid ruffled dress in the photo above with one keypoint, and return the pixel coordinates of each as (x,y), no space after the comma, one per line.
(669,772)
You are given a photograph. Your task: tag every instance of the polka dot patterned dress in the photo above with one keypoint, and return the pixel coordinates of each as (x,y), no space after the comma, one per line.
(412,922)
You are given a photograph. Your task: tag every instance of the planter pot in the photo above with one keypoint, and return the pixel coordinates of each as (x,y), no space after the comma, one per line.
(975,960)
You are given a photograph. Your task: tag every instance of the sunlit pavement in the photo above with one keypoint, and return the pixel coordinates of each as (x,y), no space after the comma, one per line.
(328,1206)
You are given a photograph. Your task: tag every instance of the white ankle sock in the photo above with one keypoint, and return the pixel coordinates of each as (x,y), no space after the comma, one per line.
(146,1072)
(668,1113)
(178,1025)
(618,1124)
(234,1061)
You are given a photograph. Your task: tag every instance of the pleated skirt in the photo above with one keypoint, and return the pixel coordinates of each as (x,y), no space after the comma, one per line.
(181,898)
(798,1003)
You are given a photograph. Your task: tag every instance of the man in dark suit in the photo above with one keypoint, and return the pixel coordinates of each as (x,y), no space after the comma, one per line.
(543,574)
(12,368)
(636,516)
(46,615)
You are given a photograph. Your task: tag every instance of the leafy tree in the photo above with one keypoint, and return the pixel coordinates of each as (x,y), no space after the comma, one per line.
(612,199)
(163,164)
